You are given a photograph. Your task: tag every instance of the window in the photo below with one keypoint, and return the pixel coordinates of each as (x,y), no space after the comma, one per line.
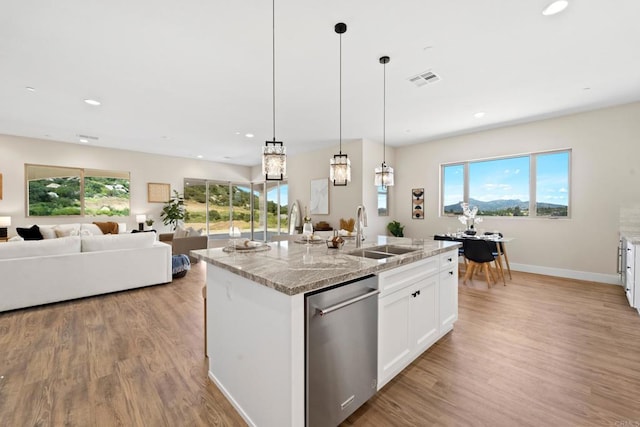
(60,191)
(215,206)
(552,184)
(529,185)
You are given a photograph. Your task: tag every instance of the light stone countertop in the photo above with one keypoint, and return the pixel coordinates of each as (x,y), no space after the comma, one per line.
(632,237)
(286,269)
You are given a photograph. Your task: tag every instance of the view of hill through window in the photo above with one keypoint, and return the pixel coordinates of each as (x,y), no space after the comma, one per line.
(501,187)
(229,203)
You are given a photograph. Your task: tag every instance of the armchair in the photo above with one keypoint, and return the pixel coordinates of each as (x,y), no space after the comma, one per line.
(183,245)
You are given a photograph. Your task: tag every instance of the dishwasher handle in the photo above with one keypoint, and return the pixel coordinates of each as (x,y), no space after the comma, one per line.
(338,306)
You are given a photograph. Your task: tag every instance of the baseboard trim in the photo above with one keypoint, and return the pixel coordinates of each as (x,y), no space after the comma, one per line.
(231,400)
(610,279)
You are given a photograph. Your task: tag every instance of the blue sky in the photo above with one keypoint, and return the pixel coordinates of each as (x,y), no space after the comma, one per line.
(505,179)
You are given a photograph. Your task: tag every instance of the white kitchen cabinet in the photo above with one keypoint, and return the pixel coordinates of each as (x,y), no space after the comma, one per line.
(631,274)
(448,291)
(418,304)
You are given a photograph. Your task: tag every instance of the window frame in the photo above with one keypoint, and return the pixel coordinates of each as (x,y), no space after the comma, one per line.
(533,156)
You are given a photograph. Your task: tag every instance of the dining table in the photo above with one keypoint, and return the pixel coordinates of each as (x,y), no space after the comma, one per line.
(500,241)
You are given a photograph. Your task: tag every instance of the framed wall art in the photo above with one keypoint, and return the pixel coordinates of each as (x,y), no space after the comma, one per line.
(417,203)
(319,200)
(0,186)
(158,193)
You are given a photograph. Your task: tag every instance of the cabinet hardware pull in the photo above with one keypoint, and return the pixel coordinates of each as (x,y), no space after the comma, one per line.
(451,273)
(449,259)
(327,310)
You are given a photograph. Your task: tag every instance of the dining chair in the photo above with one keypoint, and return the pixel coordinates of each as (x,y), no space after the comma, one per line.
(497,248)
(478,252)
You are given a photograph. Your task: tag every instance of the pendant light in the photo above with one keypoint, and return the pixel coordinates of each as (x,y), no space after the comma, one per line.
(274,153)
(340,165)
(384,173)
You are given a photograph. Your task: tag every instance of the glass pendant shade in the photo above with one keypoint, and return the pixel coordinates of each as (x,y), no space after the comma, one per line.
(384,176)
(274,161)
(340,169)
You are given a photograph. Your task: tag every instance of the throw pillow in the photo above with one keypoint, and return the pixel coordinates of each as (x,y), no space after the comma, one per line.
(16,239)
(31,233)
(66,232)
(192,232)
(108,227)
(180,232)
(48,232)
(90,230)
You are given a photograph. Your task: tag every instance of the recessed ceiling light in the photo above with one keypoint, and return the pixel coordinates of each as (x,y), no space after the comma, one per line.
(199,156)
(555,7)
(479,114)
(237,133)
(249,135)
(92,102)
(84,140)
(30,89)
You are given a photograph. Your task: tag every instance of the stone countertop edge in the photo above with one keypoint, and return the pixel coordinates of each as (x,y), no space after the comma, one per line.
(286,274)
(633,237)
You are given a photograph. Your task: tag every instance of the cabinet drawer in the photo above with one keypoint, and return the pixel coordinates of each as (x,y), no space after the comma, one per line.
(448,260)
(398,278)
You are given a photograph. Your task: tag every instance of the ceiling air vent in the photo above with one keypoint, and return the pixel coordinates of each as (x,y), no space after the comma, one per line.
(424,78)
(95,138)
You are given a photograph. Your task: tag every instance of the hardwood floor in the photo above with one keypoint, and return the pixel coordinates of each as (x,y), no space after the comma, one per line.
(540,351)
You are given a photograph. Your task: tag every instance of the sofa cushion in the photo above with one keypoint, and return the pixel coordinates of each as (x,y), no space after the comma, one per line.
(109,242)
(107,227)
(66,230)
(61,246)
(31,233)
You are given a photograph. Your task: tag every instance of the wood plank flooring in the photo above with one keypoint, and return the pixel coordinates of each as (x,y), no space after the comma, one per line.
(540,351)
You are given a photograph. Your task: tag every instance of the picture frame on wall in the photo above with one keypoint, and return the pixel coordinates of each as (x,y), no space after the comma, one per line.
(158,192)
(319,199)
(417,203)
(0,186)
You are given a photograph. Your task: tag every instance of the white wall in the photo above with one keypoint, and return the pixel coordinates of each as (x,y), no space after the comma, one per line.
(343,201)
(606,149)
(144,168)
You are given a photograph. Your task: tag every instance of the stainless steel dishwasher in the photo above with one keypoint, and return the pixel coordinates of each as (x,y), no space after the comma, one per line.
(341,350)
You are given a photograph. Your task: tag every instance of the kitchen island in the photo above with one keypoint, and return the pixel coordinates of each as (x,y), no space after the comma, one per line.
(256,316)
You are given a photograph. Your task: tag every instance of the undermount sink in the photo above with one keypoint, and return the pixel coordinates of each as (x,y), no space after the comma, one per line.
(396,250)
(381,252)
(367,253)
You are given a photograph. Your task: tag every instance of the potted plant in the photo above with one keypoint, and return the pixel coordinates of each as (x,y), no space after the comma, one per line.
(396,229)
(173,211)
(149,222)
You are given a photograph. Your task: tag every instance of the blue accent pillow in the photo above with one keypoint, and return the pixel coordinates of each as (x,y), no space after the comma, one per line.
(31,233)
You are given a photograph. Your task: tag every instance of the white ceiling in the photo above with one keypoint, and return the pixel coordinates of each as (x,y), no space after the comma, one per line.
(193,77)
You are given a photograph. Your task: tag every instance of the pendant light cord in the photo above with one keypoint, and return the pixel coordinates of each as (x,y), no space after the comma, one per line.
(384,113)
(273,57)
(340,109)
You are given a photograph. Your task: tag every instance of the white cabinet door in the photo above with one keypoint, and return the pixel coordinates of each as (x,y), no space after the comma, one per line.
(424,314)
(448,295)
(394,340)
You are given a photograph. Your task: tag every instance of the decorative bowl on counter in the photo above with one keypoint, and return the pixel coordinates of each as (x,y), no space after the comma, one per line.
(336,242)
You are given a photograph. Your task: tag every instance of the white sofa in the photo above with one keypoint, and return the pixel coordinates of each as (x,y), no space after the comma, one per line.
(64,268)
